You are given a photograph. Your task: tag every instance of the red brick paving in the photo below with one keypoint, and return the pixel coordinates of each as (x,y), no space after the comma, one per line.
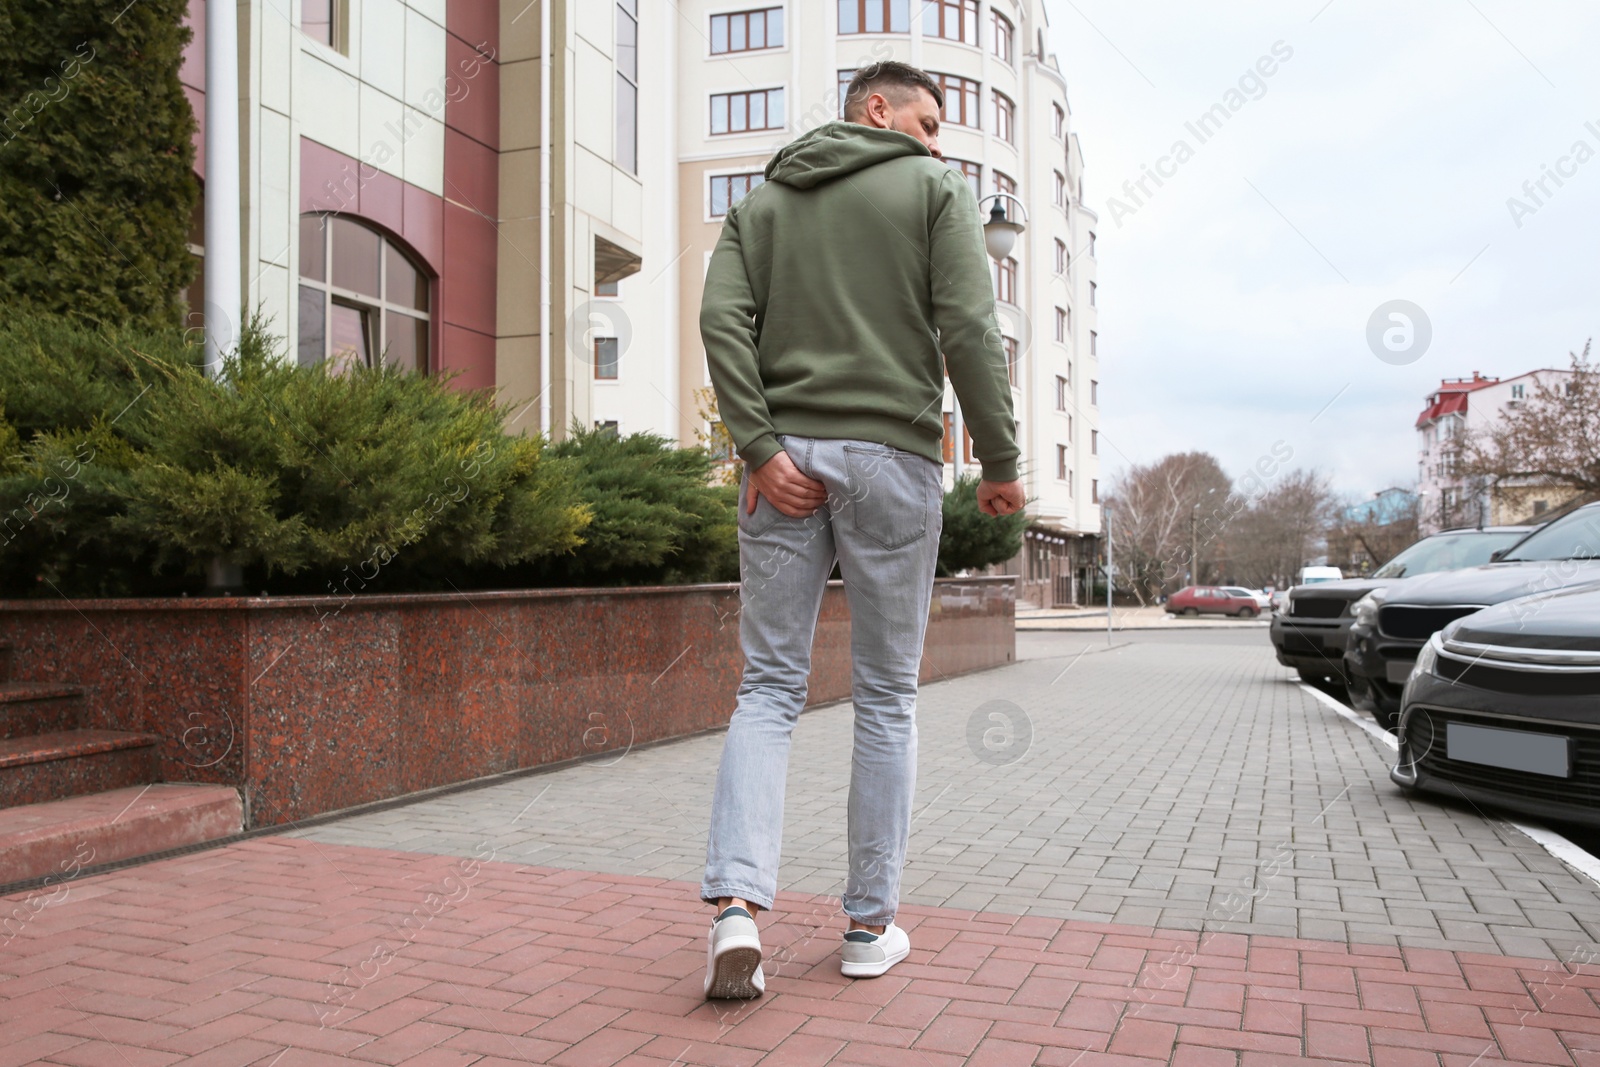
(282,951)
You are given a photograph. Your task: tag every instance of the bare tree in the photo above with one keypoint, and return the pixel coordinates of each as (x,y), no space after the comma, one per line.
(1551,438)
(1361,543)
(1157,510)
(1282,529)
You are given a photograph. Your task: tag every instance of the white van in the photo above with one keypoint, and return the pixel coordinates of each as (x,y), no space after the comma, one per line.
(1313,575)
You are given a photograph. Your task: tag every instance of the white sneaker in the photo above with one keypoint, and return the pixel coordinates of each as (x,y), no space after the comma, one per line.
(733,957)
(867,955)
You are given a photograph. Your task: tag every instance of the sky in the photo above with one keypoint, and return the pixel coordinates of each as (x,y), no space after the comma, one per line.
(1373,164)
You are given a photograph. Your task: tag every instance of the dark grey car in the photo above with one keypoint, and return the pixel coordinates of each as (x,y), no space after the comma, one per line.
(1391,625)
(1311,632)
(1503,707)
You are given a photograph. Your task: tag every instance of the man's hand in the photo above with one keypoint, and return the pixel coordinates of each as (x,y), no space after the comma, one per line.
(791,492)
(1000,498)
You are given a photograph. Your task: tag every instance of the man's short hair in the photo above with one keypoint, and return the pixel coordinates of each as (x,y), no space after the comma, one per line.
(895,80)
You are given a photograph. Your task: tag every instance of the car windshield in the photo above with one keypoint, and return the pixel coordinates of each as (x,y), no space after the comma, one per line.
(1575,536)
(1447,552)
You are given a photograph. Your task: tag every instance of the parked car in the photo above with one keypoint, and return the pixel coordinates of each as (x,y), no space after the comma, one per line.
(1391,624)
(1263,599)
(1310,634)
(1503,707)
(1212,600)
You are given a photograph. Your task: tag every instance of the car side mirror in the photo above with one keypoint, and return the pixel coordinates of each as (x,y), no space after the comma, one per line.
(1494,557)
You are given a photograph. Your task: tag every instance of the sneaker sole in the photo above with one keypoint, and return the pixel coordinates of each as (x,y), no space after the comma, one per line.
(732,975)
(871,970)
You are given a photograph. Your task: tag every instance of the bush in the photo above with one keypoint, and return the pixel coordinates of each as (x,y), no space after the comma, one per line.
(972,540)
(137,478)
(657,519)
(96,160)
(125,471)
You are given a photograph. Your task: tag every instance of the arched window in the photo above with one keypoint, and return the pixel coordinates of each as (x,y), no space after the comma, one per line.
(362,298)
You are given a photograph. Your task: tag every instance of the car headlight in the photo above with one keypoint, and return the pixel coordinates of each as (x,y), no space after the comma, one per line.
(1428,656)
(1365,610)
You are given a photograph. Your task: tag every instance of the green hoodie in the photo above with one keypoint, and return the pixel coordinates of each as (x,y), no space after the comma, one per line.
(832,291)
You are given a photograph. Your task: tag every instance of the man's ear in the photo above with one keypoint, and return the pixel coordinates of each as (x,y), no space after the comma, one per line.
(878,112)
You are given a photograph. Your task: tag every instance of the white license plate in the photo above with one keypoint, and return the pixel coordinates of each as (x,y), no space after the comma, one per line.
(1512,750)
(1398,672)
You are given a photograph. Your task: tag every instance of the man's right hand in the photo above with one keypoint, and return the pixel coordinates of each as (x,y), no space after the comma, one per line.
(791,492)
(1000,498)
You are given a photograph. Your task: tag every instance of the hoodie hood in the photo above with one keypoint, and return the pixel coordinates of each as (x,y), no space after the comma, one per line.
(837,148)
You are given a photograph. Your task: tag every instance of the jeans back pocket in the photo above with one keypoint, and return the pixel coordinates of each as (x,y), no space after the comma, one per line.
(888,492)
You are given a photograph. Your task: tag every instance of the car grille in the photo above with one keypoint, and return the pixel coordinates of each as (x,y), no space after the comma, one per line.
(1317,607)
(1419,623)
(1528,683)
(1425,734)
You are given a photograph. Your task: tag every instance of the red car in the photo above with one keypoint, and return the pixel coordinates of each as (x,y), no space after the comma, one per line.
(1195,599)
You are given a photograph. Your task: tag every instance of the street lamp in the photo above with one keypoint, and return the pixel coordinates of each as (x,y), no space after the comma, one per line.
(1000,233)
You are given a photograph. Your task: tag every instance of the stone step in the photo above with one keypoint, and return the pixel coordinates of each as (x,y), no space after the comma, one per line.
(28,708)
(69,763)
(62,837)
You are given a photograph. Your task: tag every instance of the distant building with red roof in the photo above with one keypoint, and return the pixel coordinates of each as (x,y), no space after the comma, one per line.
(1460,406)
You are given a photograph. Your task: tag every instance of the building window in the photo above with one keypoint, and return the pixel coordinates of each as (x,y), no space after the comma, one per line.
(1062,473)
(1060,189)
(362,299)
(953,20)
(608,289)
(971,171)
(1516,392)
(606,357)
(1063,321)
(1004,183)
(747,31)
(758,109)
(1005,118)
(1094,393)
(728,189)
(1069,370)
(1004,35)
(1091,244)
(960,99)
(949,439)
(1094,442)
(1093,290)
(327,22)
(607,427)
(1061,256)
(874,16)
(1061,393)
(1012,358)
(1094,490)
(1058,122)
(1094,343)
(628,85)
(1005,280)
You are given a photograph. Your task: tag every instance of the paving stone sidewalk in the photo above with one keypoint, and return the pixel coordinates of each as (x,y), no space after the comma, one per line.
(293,953)
(1159,785)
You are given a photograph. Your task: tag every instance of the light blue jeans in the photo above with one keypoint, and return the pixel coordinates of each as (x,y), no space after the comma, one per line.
(881,522)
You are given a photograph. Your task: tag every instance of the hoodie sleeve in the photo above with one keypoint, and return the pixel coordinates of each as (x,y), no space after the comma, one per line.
(969,336)
(728,330)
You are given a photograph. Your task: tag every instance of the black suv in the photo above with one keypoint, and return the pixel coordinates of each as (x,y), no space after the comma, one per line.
(1391,624)
(1311,632)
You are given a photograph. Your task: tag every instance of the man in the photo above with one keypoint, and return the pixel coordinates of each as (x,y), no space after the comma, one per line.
(839,292)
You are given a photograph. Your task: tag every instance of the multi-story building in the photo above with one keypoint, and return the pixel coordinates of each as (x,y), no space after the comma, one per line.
(394,175)
(1460,406)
